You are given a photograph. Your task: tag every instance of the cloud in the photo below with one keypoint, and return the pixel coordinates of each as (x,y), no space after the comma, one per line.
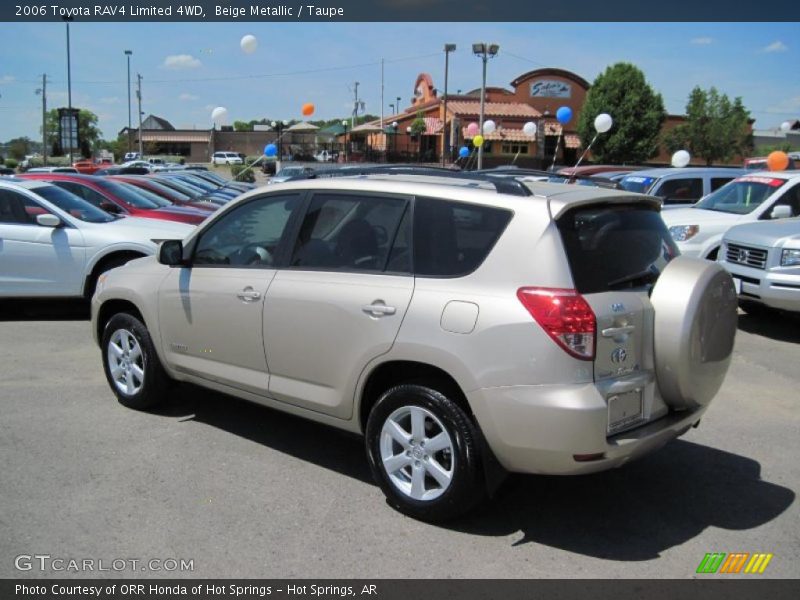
(109,100)
(702,41)
(7,79)
(181,61)
(777,46)
(188,97)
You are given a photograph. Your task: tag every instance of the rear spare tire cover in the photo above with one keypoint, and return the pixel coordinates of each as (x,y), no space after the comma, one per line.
(695,326)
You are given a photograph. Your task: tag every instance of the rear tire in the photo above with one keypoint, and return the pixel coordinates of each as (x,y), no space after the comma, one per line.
(131,365)
(424,454)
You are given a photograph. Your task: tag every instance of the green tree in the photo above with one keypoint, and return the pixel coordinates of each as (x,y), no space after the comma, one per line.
(715,129)
(243,126)
(637,110)
(418,126)
(19,147)
(88,132)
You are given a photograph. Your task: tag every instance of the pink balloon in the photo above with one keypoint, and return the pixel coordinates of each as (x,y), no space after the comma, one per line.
(472,129)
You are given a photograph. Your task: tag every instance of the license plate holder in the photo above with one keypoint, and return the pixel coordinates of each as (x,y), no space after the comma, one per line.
(624,411)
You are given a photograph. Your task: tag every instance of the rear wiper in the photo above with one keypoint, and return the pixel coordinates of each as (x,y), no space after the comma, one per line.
(649,275)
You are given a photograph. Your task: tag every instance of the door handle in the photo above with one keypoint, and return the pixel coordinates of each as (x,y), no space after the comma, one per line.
(618,331)
(377,310)
(248,294)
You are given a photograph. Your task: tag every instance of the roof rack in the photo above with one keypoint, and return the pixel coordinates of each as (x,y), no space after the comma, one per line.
(503,185)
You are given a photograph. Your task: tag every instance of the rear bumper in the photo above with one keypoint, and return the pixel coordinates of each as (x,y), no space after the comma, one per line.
(776,290)
(539,429)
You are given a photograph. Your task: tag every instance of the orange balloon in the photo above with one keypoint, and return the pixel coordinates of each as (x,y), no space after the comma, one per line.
(308,109)
(777,161)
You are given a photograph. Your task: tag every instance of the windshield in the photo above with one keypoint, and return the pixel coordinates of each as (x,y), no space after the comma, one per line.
(290,172)
(637,183)
(167,192)
(212,177)
(73,205)
(186,188)
(197,181)
(741,196)
(128,194)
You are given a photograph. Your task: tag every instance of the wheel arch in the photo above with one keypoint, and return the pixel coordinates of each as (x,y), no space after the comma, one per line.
(101,264)
(112,307)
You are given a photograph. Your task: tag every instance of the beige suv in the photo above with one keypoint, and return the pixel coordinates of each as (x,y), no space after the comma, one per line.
(466,327)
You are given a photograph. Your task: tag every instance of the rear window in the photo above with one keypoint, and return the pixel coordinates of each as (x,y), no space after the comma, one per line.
(451,239)
(637,183)
(615,248)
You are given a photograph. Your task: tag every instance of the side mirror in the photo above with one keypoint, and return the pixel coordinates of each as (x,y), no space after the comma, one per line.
(48,220)
(781,212)
(170,253)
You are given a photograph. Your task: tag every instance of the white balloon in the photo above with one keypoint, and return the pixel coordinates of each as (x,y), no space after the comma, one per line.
(681,158)
(786,126)
(603,122)
(219,115)
(249,43)
(529,128)
(489,127)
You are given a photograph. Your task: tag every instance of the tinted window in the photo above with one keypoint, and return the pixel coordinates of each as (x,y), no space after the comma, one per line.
(681,191)
(348,232)
(615,247)
(130,195)
(743,195)
(248,236)
(452,238)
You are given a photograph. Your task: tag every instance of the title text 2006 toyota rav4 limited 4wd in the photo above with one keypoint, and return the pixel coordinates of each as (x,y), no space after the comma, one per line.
(465,327)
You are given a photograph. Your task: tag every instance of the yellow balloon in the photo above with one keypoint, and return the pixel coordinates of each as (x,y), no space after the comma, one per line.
(477,141)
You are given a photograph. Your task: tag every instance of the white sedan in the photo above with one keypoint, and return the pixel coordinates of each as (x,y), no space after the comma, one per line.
(53,243)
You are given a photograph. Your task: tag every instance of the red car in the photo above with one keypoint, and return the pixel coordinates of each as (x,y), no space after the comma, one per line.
(121,198)
(89,167)
(167,193)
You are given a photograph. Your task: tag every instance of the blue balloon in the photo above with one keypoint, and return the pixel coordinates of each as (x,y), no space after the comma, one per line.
(270,150)
(463,152)
(564,115)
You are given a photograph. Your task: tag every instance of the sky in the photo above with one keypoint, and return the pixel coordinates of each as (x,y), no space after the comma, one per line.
(188,69)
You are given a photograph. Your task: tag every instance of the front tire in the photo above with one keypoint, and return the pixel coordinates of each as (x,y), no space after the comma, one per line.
(131,364)
(423,452)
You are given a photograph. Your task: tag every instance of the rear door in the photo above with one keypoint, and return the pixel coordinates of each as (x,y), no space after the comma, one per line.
(616,253)
(341,299)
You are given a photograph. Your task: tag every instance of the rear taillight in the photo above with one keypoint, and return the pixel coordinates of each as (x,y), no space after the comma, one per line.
(565,316)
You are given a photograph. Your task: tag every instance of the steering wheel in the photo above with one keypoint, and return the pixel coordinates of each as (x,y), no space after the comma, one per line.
(252,254)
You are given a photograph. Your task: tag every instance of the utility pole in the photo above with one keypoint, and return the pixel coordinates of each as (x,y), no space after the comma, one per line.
(139,98)
(128,55)
(69,92)
(355,107)
(43,92)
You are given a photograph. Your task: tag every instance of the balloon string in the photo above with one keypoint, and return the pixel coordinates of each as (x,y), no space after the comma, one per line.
(558,143)
(578,164)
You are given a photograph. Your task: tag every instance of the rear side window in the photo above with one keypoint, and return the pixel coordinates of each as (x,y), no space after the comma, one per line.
(718,182)
(615,248)
(451,239)
(681,191)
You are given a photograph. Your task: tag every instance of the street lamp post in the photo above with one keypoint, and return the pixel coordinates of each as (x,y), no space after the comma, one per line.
(394,137)
(43,91)
(448,48)
(398,104)
(130,140)
(485,52)
(344,124)
(69,93)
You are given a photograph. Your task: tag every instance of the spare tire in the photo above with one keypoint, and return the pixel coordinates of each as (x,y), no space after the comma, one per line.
(695,326)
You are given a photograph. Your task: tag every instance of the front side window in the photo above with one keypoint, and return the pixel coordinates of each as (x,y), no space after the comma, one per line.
(14,208)
(247,236)
(681,191)
(351,233)
(73,205)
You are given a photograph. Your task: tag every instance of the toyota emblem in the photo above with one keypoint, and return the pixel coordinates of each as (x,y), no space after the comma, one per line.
(619,355)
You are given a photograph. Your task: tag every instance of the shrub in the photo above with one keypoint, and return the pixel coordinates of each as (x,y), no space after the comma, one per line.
(243,173)
(11,163)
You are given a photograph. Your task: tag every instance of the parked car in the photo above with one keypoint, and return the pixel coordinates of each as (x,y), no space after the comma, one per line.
(292,173)
(759,163)
(325,156)
(121,198)
(130,156)
(7,171)
(90,167)
(54,244)
(679,186)
(169,194)
(219,197)
(764,260)
(226,158)
(698,230)
(589,170)
(140,164)
(52,170)
(539,328)
(222,182)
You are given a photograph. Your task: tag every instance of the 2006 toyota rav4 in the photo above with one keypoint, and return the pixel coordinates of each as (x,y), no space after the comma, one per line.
(466,327)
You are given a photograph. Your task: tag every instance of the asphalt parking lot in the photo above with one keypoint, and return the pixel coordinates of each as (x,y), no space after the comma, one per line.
(244,491)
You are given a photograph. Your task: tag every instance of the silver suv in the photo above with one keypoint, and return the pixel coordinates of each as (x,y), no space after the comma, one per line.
(466,327)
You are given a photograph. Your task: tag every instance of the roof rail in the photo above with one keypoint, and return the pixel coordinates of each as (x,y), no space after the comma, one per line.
(503,185)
